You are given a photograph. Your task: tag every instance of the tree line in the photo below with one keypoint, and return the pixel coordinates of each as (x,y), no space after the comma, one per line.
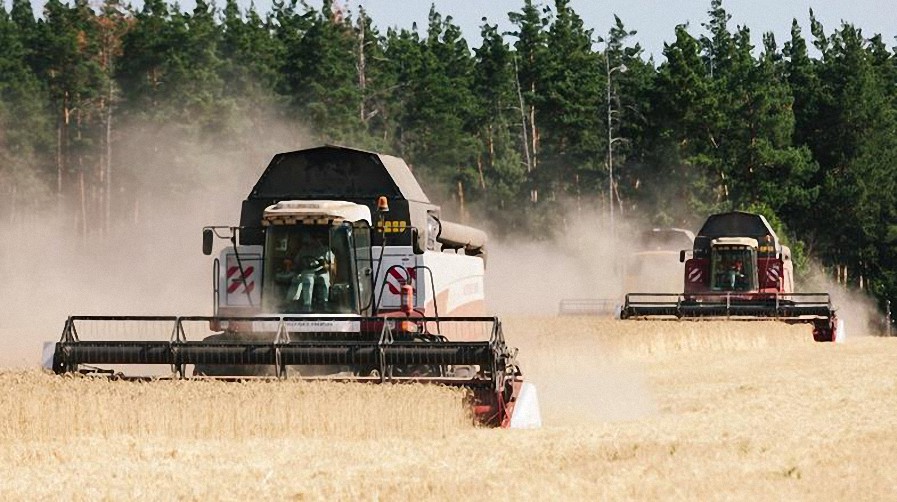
(531,123)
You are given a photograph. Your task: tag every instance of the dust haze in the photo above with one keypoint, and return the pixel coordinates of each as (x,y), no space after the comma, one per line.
(150,261)
(531,276)
(577,378)
(856,308)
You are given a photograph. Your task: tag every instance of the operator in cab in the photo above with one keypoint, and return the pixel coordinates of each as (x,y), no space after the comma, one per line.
(311,283)
(736,275)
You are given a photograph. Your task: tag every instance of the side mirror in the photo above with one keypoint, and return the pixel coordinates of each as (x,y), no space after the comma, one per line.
(681,256)
(208,236)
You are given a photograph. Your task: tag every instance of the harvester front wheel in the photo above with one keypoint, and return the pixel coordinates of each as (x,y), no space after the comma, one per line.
(825,330)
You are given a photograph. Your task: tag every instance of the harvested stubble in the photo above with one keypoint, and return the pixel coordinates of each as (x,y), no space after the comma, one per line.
(759,412)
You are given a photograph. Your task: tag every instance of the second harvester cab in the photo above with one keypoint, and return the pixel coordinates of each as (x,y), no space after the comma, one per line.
(738,254)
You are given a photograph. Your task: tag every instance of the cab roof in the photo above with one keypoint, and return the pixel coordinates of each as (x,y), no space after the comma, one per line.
(337,172)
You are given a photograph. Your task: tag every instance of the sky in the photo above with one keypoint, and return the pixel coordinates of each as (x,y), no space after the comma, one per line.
(654,20)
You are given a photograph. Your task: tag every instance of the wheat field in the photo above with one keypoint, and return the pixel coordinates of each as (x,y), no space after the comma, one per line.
(632,410)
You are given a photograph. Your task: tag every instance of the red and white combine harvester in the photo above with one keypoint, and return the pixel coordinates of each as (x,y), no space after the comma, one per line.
(342,269)
(738,270)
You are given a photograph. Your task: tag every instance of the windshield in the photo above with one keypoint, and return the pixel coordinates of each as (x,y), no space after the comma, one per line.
(733,268)
(309,269)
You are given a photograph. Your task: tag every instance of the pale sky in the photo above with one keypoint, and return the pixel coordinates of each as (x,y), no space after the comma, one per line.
(654,20)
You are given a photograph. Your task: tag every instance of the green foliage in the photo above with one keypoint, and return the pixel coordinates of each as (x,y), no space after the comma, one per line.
(22,97)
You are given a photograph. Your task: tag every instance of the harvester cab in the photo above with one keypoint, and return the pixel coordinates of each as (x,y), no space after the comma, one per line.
(733,264)
(315,258)
(341,268)
(738,270)
(739,255)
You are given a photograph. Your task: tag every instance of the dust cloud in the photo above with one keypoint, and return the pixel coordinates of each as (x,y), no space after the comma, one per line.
(856,308)
(150,261)
(577,378)
(582,261)
(587,259)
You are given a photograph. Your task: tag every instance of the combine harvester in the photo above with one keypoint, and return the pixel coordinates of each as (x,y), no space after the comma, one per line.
(341,269)
(738,270)
(651,265)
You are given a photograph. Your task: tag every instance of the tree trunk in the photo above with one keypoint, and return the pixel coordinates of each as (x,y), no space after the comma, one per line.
(14,206)
(522,108)
(534,136)
(480,172)
(61,140)
(362,81)
(83,205)
(107,189)
(463,211)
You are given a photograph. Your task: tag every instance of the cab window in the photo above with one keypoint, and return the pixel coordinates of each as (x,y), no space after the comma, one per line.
(732,269)
(309,269)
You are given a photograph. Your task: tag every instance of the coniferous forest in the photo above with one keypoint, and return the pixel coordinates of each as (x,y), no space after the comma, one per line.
(551,115)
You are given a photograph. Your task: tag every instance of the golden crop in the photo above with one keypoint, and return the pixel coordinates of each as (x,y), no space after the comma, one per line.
(633,410)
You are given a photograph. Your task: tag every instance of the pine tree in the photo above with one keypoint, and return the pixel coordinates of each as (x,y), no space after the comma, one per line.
(530,49)
(856,182)
(322,76)
(23,122)
(501,169)
(718,48)
(571,112)
(68,61)
(377,85)
(147,47)
(403,62)
(631,84)
(24,125)
(764,166)
(200,90)
(444,110)
(112,25)
(685,118)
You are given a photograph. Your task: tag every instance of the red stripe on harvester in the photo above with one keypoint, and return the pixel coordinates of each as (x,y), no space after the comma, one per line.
(235,285)
(231,272)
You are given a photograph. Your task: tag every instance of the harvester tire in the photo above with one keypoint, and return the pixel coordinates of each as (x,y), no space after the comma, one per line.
(824,330)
